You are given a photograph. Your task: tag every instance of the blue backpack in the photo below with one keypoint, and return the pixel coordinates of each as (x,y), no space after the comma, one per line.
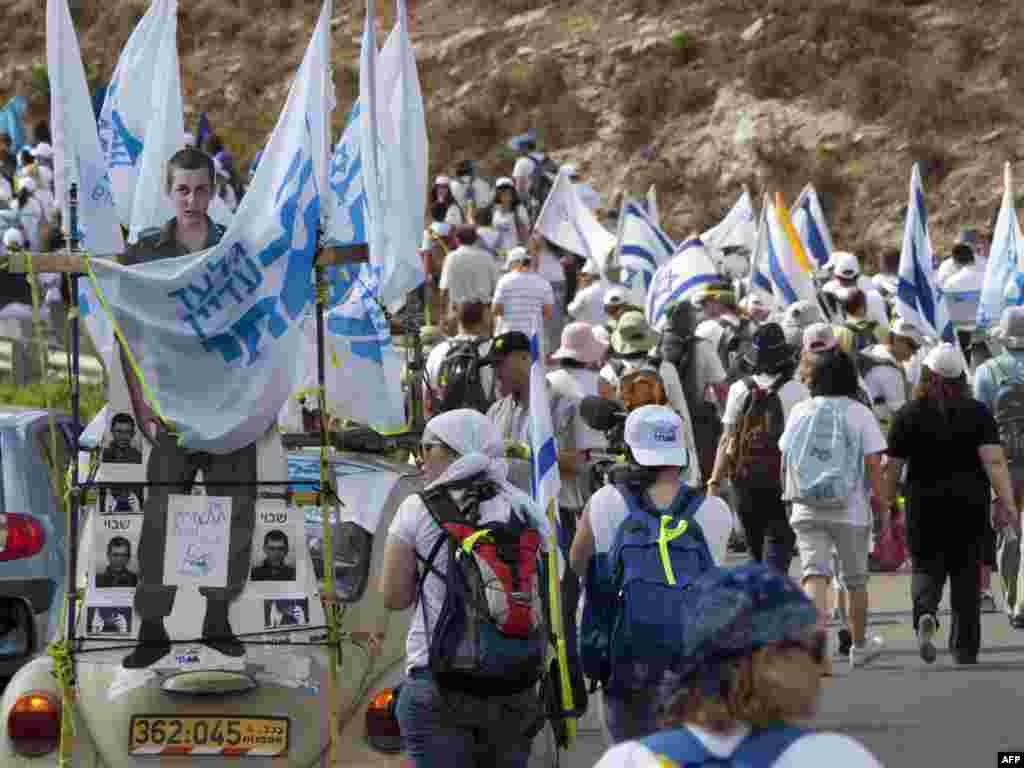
(760,749)
(824,461)
(636,606)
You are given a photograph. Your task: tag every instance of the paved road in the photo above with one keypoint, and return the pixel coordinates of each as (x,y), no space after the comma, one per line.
(907,712)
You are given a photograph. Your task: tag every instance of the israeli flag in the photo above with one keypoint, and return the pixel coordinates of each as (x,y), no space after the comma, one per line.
(214,334)
(809,220)
(346,192)
(788,264)
(78,158)
(363,368)
(393,144)
(1003,282)
(547,481)
(760,267)
(689,270)
(643,246)
(918,300)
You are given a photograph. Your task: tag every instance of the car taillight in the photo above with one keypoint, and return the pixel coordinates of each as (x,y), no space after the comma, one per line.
(20,536)
(382,731)
(34,724)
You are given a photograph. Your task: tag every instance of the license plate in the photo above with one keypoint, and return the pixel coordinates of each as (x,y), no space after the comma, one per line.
(208,735)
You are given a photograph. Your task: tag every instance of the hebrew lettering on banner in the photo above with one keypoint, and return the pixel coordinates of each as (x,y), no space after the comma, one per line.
(198,531)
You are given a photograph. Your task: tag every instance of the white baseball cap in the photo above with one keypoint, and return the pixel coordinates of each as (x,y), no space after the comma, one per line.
(43,150)
(945,360)
(517,255)
(504,181)
(845,264)
(654,434)
(13,238)
(615,297)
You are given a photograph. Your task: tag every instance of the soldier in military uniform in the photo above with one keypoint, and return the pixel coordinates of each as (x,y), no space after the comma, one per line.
(190,180)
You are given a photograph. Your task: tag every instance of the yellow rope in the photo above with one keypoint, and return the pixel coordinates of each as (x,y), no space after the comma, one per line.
(60,651)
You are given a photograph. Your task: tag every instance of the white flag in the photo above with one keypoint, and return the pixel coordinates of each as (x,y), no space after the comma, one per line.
(569,224)
(78,158)
(1002,284)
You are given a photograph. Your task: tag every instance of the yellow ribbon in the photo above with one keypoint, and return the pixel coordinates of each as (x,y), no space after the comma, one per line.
(667,534)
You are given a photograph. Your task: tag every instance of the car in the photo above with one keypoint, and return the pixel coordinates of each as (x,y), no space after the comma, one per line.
(32,556)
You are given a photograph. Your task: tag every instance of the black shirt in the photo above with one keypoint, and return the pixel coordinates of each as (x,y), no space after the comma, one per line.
(110,578)
(160,243)
(947,489)
(115,455)
(270,573)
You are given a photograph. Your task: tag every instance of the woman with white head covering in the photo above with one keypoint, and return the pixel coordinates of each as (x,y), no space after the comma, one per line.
(443,726)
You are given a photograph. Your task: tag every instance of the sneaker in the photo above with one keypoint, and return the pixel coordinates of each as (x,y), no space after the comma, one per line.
(865,654)
(988,603)
(845,641)
(926,628)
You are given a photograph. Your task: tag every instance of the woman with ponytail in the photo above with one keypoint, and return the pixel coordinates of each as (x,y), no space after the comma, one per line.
(954,458)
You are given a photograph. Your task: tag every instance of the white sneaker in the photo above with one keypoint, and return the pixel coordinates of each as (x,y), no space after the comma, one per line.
(865,654)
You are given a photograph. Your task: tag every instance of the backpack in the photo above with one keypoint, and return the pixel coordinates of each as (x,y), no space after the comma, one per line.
(1008,409)
(735,346)
(856,336)
(637,605)
(758,460)
(760,749)
(542,177)
(490,636)
(459,382)
(824,462)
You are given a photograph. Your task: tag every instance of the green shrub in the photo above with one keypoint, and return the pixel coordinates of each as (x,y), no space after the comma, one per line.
(92,397)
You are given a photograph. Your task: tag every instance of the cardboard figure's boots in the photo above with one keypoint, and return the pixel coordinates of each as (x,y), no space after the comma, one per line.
(154,644)
(217,633)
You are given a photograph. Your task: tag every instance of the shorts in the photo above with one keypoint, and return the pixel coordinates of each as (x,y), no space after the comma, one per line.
(815,540)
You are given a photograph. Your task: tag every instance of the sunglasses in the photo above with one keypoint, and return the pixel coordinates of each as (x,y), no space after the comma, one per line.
(814,646)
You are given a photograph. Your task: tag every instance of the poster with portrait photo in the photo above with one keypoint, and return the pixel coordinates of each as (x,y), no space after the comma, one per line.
(110,621)
(121,472)
(278,549)
(114,562)
(122,443)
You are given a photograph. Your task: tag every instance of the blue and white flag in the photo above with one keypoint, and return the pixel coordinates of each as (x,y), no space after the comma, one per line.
(77,155)
(215,334)
(652,204)
(789,266)
(809,219)
(643,246)
(394,149)
(363,370)
(689,270)
(547,482)
(918,299)
(347,194)
(12,123)
(1003,279)
(760,269)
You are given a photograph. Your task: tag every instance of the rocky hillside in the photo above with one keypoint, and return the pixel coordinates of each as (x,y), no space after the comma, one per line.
(697,96)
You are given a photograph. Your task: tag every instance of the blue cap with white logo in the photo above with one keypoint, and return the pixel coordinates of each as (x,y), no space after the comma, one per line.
(654,434)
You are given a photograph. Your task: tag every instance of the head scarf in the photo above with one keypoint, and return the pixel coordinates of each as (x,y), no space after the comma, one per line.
(480,448)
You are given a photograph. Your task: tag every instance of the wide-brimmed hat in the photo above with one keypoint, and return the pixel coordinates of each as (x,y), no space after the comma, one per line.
(1011,328)
(769,348)
(632,334)
(579,343)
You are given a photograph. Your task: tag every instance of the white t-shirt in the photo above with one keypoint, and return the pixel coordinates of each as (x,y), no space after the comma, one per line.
(470,274)
(413,525)
(504,223)
(946,268)
(522,297)
(437,354)
(810,751)
(709,369)
(550,267)
(885,382)
(711,330)
(791,393)
(607,510)
(587,305)
(962,290)
(864,425)
(875,304)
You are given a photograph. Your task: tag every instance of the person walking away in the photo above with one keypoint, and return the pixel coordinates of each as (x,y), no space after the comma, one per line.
(453,369)
(728,332)
(755,417)
(653,436)
(962,289)
(750,679)
(469,275)
(509,217)
(831,454)
(999,384)
(587,305)
(577,355)
(523,300)
(965,239)
(856,332)
(847,274)
(481,716)
(32,218)
(950,443)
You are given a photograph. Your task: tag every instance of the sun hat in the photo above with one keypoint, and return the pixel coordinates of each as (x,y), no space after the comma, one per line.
(1011,328)
(741,610)
(654,434)
(632,334)
(769,348)
(819,337)
(578,343)
(945,360)
(845,265)
(905,330)
(517,255)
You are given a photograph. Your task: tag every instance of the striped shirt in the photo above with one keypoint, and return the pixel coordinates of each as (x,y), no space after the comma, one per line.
(522,297)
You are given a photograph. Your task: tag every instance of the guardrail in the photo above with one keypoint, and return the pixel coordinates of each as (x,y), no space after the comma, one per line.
(19,364)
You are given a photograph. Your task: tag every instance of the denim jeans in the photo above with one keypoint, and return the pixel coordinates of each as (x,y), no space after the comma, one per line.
(448,729)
